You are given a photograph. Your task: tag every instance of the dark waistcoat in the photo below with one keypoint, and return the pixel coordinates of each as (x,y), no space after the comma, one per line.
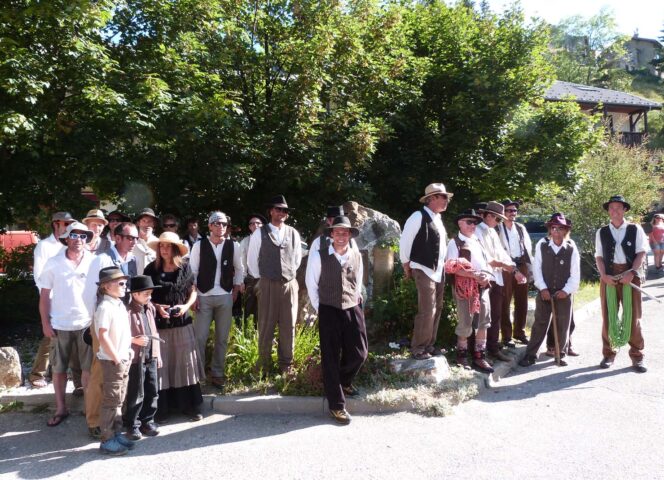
(426,244)
(207,267)
(556,267)
(337,286)
(275,261)
(609,246)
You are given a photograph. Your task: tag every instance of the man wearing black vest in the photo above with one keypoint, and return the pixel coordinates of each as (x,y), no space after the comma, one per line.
(275,253)
(517,242)
(620,248)
(422,249)
(334,282)
(556,270)
(216,263)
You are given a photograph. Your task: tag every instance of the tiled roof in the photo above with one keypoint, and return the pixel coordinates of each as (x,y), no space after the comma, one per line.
(594,95)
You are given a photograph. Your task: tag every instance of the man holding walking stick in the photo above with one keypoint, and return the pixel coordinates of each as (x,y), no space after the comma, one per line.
(556,270)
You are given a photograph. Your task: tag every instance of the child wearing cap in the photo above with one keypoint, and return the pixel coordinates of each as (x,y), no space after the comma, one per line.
(112,327)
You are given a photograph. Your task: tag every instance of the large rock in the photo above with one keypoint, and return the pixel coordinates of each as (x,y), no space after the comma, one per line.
(10,368)
(432,370)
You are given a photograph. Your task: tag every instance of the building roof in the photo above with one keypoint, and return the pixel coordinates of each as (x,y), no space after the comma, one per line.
(655,42)
(590,97)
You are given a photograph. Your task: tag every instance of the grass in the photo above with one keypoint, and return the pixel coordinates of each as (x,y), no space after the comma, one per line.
(11,406)
(588,291)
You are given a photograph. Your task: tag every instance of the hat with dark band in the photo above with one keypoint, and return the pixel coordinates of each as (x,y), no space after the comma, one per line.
(435,189)
(140,283)
(617,199)
(496,208)
(509,202)
(342,222)
(109,274)
(468,214)
(146,212)
(278,201)
(169,237)
(558,219)
(97,215)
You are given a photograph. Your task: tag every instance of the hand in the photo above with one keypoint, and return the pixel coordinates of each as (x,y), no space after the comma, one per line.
(627,278)
(161,310)
(182,310)
(140,340)
(196,306)
(560,294)
(546,295)
(520,278)
(608,279)
(160,364)
(407,271)
(241,287)
(48,331)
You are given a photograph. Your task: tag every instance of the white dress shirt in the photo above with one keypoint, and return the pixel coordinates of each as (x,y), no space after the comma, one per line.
(255,248)
(144,254)
(112,315)
(408,235)
(45,249)
(478,258)
(512,241)
(618,235)
(572,284)
(489,239)
(195,262)
(314,269)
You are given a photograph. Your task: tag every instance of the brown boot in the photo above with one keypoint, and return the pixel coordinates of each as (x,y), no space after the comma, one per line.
(480,363)
(462,358)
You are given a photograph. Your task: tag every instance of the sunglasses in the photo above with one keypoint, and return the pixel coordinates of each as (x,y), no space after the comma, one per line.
(78,236)
(219,224)
(280,209)
(511,210)
(498,219)
(114,220)
(131,238)
(470,222)
(122,283)
(170,225)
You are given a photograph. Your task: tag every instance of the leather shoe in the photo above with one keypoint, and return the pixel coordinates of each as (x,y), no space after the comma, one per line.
(639,367)
(606,362)
(437,352)
(522,339)
(527,361)
(341,416)
(500,356)
(421,356)
(562,363)
(351,391)
(509,344)
(571,352)
(149,429)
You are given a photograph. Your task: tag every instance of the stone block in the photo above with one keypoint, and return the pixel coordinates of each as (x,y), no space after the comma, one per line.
(432,370)
(10,368)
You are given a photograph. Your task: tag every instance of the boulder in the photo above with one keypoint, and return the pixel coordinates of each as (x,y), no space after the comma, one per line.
(10,368)
(432,370)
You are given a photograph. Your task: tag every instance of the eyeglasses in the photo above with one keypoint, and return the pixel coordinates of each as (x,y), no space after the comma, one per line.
(557,229)
(470,222)
(219,224)
(256,223)
(122,284)
(78,236)
(170,225)
(511,210)
(498,219)
(131,238)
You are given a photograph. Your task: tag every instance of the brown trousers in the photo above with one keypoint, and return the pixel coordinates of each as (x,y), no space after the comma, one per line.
(429,307)
(636,342)
(115,389)
(277,306)
(94,392)
(520,294)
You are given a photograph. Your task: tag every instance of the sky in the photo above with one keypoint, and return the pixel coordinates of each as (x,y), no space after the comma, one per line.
(646,16)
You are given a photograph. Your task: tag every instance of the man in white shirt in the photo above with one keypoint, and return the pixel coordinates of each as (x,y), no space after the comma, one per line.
(250,301)
(467,260)
(45,249)
(422,249)
(334,282)
(517,243)
(620,248)
(216,263)
(64,314)
(556,270)
(493,214)
(146,223)
(275,253)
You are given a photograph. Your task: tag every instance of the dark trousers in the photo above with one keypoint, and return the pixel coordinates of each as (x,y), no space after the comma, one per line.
(520,294)
(550,341)
(543,312)
(250,300)
(142,394)
(492,334)
(343,349)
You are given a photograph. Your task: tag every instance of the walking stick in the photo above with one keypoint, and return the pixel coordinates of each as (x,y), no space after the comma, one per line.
(555,329)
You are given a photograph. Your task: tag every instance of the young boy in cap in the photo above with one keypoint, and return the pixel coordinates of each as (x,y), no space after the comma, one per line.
(114,333)
(142,386)
(334,282)
(556,269)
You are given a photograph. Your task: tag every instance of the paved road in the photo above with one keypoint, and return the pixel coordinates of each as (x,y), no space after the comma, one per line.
(541,422)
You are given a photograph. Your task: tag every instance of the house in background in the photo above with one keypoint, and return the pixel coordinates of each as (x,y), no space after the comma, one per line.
(641,52)
(626,115)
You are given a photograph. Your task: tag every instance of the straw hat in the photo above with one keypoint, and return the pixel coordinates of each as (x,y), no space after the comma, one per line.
(169,237)
(435,189)
(97,215)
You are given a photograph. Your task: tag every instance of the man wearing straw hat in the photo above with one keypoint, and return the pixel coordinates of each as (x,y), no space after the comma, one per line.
(422,249)
(274,255)
(96,222)
(63,310)
(556,270)
(334,283)
(620,248)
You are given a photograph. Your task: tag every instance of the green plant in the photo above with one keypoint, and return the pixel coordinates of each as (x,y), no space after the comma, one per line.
(242,355)
(11,406)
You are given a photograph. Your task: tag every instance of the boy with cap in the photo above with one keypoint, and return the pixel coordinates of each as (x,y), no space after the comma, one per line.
(334,282)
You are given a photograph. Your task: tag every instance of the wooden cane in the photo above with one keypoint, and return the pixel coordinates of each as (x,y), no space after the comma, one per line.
(555,329)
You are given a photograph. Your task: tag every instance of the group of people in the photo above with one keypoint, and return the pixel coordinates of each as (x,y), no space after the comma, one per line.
(490,262)
(116,301)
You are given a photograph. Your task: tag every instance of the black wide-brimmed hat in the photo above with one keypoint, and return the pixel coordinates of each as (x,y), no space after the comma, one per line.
(109,274)
(479,206)
(617,199)
(140,283)
(258,216)
(333,212)
(278,201)
(496,208)
(342,222)
(470,213)
(117,213)
(559,219)
(509,202)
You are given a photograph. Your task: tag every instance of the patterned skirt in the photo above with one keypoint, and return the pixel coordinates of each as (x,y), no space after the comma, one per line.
(182,365)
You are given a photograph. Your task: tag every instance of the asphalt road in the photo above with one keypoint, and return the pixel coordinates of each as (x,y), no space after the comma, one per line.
(542,422)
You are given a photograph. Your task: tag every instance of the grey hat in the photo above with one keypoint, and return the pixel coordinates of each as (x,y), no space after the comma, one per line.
(496,208)
(342,222)
(62,217)
(217,217)
(146,212)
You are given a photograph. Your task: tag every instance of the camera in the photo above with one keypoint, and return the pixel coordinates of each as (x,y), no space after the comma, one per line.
(173,310)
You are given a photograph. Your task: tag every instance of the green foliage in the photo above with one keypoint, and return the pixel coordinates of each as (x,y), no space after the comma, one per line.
(610,169)
(12,406)
(17,264)
(242,353)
